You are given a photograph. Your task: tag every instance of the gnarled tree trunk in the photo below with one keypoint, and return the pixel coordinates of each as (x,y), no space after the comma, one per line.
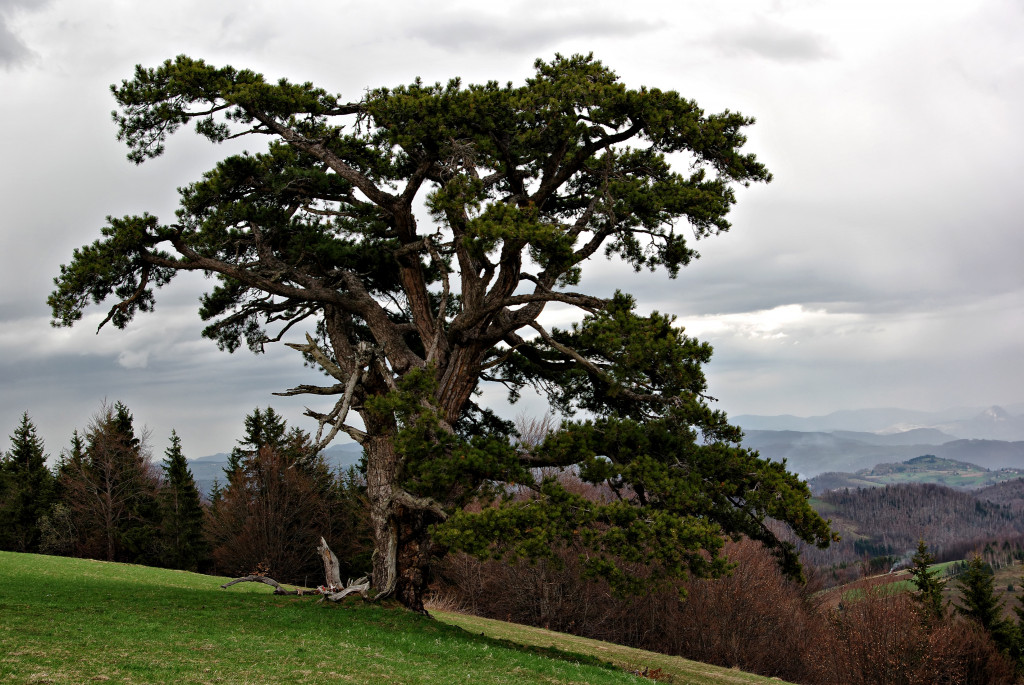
(414,551)
(402,544)
(381,474)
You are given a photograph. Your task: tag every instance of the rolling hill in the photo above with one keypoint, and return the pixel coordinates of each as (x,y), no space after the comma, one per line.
(924,469)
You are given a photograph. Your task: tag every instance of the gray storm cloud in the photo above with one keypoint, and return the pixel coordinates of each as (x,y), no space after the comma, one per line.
(469,31)
(880,267)
(774,41)
(13,49)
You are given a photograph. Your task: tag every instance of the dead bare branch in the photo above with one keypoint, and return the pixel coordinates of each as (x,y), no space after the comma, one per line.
(278,588)
(321,358)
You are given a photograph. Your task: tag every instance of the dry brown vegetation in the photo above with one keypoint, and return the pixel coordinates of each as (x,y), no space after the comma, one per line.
(754,619)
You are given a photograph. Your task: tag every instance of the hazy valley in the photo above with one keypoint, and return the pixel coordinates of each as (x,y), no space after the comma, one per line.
(849,441)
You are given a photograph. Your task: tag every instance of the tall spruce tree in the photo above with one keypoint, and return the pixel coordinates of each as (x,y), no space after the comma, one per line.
(978,601)
(26,489)
(262,428)
(70,461)
(410,314)
(181,513)
(928,582)
(59,526)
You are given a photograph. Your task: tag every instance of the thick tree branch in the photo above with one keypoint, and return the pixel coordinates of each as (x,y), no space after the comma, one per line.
(278,588)
(588,303)
(385,201)
(325,390)
(442,307)
(360,586)
(416,180)
(407,499)
(340,412)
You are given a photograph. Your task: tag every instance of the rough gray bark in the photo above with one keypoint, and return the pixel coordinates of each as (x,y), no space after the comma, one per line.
(381,474)
(332,571)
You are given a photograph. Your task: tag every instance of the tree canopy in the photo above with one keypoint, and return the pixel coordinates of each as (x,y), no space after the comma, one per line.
(26,489)
(415,237)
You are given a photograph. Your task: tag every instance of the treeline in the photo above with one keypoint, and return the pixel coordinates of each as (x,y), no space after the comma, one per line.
(107,499)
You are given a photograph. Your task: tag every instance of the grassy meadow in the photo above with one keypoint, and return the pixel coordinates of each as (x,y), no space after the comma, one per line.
(76,621)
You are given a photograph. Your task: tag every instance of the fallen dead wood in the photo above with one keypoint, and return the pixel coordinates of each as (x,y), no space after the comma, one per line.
(333,590)
(360,586)
(278,588)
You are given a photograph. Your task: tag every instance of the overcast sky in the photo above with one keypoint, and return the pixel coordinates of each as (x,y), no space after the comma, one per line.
(882,267)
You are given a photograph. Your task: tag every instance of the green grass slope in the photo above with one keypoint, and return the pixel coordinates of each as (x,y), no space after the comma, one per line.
(660,667)
(78,621)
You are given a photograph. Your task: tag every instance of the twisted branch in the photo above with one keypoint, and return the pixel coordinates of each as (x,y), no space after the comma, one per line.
(446,291)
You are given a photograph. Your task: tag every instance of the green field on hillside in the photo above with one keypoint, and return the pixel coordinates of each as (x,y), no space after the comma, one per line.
(924,469)
(73,621)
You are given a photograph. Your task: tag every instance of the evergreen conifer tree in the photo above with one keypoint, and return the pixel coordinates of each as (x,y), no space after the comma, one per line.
(184,543)
(413,314)
(59,527)
(276,504)
(262,428)
(70,461)
(139,533)
(979,602)
(26,489)
(216,492)
(928,583)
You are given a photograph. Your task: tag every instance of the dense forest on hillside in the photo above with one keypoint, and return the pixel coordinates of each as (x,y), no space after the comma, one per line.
(884,524)
(108,498)
(1010,494)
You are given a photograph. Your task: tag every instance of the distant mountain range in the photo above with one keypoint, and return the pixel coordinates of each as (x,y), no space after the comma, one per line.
(847,441)
(206,470)
(972,423)
(850,441)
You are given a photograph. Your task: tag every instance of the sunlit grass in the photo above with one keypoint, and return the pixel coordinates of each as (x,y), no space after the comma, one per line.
(74,621)
(79,621)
